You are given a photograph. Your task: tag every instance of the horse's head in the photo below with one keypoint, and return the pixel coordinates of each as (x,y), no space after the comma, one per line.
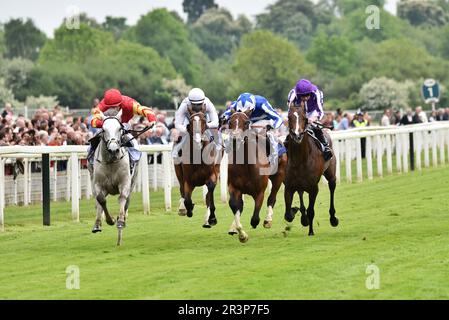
(112,133)
(297,122)
(197,124)
(239,122)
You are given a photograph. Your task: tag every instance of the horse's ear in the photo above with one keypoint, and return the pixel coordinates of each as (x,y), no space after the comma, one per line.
(119,115)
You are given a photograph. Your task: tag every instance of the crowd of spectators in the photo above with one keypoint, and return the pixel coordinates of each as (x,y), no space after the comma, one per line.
(55,128)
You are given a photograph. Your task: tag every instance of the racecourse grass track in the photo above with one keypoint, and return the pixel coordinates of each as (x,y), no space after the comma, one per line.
(400,223)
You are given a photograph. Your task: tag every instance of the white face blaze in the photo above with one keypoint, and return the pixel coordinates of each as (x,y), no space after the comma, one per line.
(297,123)
(197,129)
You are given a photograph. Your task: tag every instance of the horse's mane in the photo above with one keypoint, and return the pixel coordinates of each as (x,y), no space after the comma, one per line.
(112,112)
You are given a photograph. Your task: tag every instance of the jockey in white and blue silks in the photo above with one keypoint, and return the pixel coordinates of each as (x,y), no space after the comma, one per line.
(261,111)
(196,99)
(313,100)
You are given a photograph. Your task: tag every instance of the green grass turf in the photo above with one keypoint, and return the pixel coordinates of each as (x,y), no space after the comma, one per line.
(399,223)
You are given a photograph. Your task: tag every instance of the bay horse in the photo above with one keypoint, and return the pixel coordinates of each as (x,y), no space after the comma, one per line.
(199,167)
(305,167)
(250,175)
(110,173)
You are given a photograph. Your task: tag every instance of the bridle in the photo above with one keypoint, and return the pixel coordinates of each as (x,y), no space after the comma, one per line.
(295,134)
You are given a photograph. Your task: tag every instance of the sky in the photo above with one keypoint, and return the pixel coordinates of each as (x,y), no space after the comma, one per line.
(48,14)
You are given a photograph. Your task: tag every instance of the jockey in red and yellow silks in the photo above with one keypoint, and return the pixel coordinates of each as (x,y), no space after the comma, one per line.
(130,108)
(113,99)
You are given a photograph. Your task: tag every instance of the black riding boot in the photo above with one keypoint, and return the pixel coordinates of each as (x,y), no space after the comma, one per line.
(327,152)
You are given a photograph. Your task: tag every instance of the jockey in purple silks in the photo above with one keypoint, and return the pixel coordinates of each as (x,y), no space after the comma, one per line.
(313,100)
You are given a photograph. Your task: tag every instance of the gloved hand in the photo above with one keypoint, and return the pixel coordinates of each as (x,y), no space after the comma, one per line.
(269,127)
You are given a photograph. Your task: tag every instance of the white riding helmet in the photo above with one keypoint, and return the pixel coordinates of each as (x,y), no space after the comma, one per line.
(245,102)
(196,96)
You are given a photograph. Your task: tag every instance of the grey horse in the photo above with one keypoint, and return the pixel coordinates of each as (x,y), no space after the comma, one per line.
(110,173)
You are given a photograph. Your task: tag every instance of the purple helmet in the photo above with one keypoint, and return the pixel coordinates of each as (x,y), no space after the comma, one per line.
(304,86)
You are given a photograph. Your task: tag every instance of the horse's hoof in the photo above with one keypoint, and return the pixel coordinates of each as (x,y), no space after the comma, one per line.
(96,229)
(334,222)
(232,232)
(213,222)
(255,223)
(207,226)
(110,222)
(182,212)
(243,238)
(190,215)
(121,224)
(289,218)
(311,234)
(304,221)
(288,228)
(267,224)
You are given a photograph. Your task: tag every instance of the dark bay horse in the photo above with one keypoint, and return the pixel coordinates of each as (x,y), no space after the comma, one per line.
(305,167)
(199,167)
(248,173)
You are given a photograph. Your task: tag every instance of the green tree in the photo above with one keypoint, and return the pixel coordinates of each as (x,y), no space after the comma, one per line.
(422,13)
(15,72)
(116,25)
(137,70)
(382,93)
(2,42)
(268,65)
(195,8)
(76,45)
(160,30)
(444,42)
(333,54)
(217,33)
(23,39)
(294,19)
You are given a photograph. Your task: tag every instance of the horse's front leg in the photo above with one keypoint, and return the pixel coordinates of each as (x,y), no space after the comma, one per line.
(101,201)
(121,224)
(188,190)
(210,219)
(236,204)
(311,209)
(182,211)
(97,226)
(258,202)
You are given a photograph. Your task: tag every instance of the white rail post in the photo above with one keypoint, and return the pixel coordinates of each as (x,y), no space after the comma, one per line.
(348,158)
(418,139)
(447,141)
(26,195)
(398,152)
(224,178)
(145,184)
(405,151)
(155,171)
(336,146)
(167,179)
(379,156)
(442,149)
(369,158)
(75,188)
(55,181)
(68,174)
(434,149)
(138,186)
(389,154)
(426,148)
(2,192)
(359,159)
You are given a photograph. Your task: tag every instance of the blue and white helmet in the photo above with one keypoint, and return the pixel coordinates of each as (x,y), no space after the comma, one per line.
(245,102)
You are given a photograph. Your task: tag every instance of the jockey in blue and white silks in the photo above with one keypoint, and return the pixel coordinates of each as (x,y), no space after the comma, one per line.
(261,111)
(197,100)
(313,98)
